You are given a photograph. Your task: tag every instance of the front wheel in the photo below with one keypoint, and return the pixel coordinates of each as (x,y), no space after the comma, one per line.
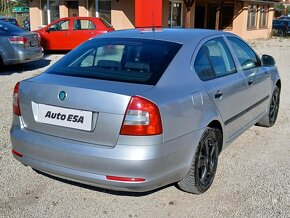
(281,32)
(203,168)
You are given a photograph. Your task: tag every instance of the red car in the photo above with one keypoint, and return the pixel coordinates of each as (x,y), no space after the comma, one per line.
(67,33)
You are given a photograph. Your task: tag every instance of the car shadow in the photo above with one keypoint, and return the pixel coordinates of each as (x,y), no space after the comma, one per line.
(103,190)
(20,68)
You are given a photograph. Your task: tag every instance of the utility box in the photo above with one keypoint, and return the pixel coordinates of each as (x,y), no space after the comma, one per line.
(148,13)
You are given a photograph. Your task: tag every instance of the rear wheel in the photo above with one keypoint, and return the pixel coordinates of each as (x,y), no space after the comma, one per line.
(1,63)
(271,117)
(203,168)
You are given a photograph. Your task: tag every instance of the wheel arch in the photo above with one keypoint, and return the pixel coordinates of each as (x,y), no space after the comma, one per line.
(217,125)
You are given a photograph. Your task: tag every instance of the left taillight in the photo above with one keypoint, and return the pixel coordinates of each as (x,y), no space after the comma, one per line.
(19,41)
(16,106)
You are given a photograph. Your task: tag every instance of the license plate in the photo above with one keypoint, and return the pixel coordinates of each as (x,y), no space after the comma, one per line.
(65,117)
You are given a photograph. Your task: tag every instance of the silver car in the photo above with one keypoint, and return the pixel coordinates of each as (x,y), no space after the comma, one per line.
(18,46)
(136,110)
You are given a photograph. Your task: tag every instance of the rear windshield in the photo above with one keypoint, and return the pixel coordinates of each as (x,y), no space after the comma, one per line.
(124,60)
(9,28)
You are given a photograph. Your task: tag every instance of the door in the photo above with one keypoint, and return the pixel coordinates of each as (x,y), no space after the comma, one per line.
(224,84)
(82,30)
(199,21)
(73,8)
(258,79)
(56,36)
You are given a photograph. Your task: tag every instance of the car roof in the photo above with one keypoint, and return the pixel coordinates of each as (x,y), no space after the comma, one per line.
(181,36)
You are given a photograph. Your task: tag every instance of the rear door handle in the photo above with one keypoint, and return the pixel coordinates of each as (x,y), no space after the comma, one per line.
(218,94)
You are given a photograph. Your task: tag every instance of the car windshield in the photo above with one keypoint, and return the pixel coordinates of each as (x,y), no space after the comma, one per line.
(9,28)
(119,59)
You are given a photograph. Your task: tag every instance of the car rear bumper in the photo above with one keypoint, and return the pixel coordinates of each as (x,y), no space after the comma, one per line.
(159,164)
(21,56)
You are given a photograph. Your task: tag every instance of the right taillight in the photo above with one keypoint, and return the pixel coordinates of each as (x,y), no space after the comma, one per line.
(16,107)
(142,118)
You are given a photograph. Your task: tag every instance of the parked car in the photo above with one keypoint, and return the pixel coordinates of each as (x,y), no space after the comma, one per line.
(18,46)
(67,33)
(135,110)
(284,18)
(11,20)
(281,27)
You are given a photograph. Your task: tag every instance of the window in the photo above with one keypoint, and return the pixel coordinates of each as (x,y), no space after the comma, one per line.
(263,16)
(227,16)
(49,11)
(246,56)
(214,60)
(175,14)
(252,17)
(104,10)
(83,25)
(124,60)
(60,26)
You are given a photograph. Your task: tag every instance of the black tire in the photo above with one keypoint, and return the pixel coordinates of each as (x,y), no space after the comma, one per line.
(280,32)
(1,63)
(203,168)
(271,117)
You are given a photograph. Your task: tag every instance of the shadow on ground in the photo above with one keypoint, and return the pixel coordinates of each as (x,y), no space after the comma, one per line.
(104,190)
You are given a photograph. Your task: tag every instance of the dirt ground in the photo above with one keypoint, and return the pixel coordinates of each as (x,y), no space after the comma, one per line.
(253,177)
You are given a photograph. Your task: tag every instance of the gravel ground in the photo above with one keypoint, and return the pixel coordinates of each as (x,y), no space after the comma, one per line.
(253,177)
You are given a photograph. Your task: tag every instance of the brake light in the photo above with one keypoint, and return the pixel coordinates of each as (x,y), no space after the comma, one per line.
(22,41)
(142,118)
(16,107)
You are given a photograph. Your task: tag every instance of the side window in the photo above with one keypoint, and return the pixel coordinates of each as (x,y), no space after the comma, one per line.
(61,25)
(214,60)
(83,25)
(246,56)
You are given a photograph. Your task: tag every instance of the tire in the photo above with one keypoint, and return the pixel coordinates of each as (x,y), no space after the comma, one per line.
(281,33)
(1,63)
(204,164)
(270,118)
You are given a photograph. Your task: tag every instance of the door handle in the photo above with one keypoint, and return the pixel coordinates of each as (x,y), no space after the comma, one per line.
(218,94)
(250,82)
(66,34)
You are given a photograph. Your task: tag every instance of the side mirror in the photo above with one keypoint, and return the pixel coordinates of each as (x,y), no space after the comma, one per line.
(268,61)
(47,30)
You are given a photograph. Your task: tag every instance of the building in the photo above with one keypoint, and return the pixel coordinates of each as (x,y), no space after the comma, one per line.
(247,18)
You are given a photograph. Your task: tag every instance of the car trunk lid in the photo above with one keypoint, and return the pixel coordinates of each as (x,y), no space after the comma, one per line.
(82,109)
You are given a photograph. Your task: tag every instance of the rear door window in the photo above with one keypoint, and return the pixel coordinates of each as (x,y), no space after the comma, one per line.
(125,60)
(214,60)
(80,24)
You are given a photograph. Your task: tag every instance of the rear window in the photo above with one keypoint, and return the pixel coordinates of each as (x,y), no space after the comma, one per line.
(123,60)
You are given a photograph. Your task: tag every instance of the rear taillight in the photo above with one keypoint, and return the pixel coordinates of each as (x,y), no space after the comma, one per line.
(16,107)
(142,118)
(20,41)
